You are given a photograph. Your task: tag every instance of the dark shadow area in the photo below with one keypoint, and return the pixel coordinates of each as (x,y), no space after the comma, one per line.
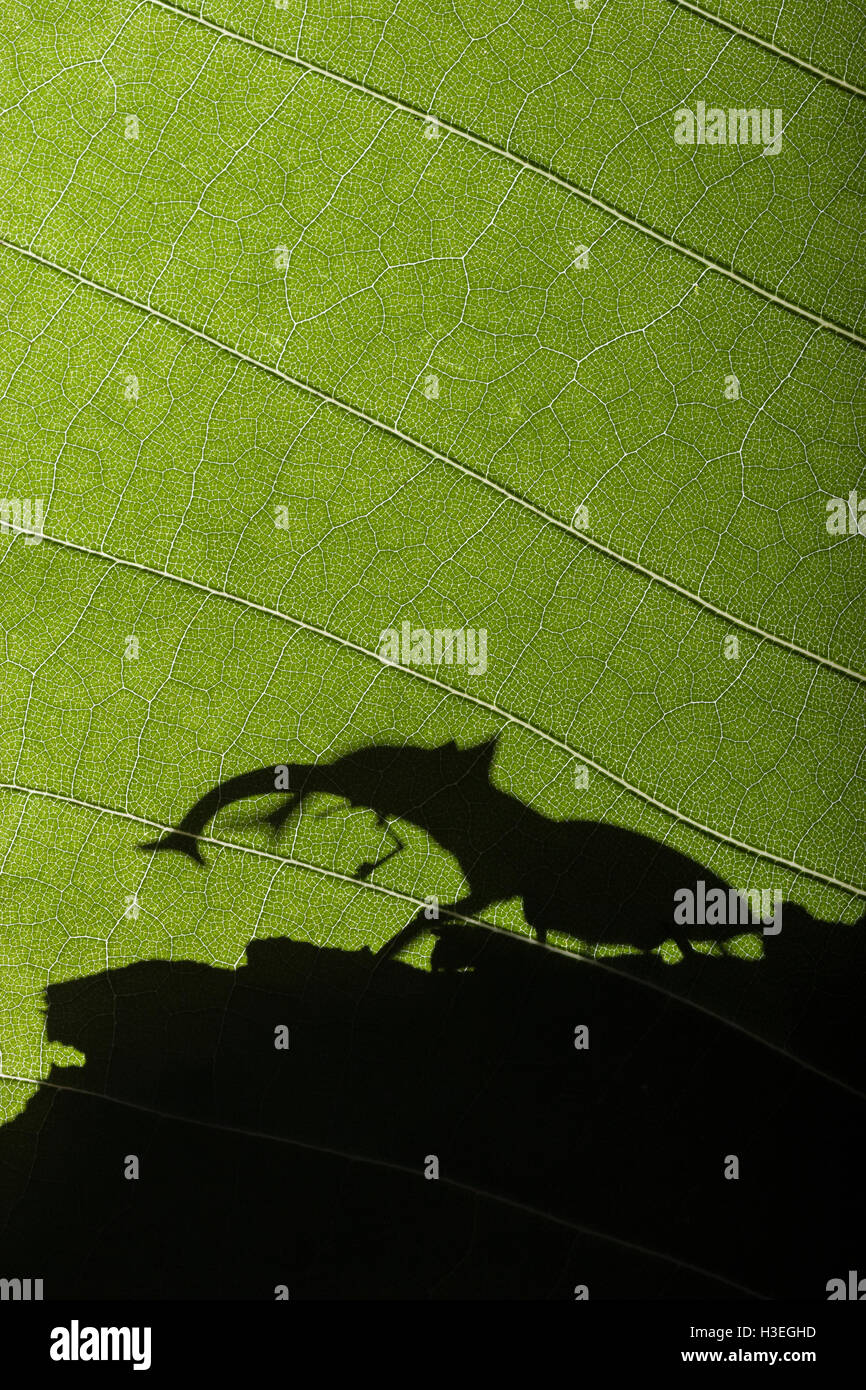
(558,1166)
(391,1064)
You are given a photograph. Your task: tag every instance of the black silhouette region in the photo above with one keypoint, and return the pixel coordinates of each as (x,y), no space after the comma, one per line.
(560,1165)
(590,880)
(304,1167)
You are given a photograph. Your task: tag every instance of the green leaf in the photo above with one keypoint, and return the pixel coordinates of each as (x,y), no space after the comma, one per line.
(439,292)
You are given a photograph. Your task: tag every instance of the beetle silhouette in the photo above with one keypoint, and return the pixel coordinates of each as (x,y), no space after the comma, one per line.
(588,879)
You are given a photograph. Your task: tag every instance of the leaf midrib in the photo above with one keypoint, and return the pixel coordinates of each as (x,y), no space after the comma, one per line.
(626,561)
(531,166)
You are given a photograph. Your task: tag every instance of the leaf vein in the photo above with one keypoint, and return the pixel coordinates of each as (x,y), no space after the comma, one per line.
(534,167)
(489,706)
(626,561)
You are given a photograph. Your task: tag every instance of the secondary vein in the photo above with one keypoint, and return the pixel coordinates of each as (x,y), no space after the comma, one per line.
(531,165)
(489,706)
(383,426)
